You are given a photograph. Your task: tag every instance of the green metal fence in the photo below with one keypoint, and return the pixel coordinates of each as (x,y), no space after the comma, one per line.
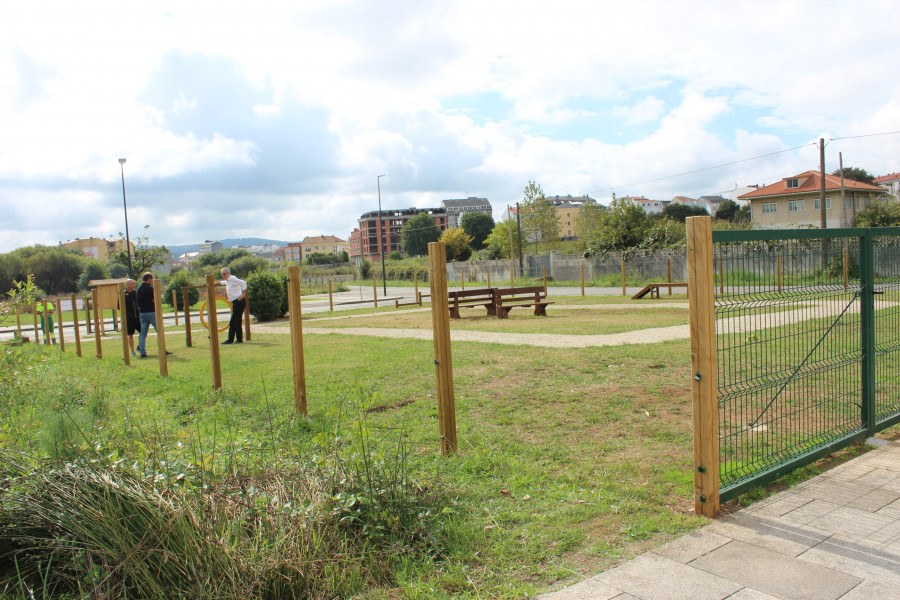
(808,346)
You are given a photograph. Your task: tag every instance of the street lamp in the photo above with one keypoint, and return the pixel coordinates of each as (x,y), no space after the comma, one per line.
(125,204)
(381,248)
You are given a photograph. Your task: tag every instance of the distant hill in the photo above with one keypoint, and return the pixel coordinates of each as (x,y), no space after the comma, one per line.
(227,243)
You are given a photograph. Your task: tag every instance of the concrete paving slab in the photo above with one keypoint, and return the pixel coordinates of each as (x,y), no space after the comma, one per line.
(875,500)
(809,512)
(850,523)
(749,594)
(766,533)
(869,590)
(589,589)
(865,566)
(891,510)
(651,577)
(777,505)
(775,574)
(692,546)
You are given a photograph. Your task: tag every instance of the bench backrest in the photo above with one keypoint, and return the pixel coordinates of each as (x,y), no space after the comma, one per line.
(486,292)
(537,291)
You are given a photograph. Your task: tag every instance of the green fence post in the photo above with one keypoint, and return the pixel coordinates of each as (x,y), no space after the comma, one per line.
(867,328)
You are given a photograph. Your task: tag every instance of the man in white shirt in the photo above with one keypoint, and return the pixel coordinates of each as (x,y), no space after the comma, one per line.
(237,295)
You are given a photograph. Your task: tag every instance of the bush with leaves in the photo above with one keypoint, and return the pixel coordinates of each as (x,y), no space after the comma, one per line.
(243,266)
(879,214)
(117,270)
(93,269)
(457,242)
(180,279)
(267,294)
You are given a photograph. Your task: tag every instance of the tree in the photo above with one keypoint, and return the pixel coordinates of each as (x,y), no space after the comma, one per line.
(728,211)
(540,223)
(680,212)
(589,221)
(498,243)
(11,267)
(56,270)
(394,255)
(144,257)
(623,226)
(243,266)
(94,269)
(478,226)
(222,257)
(457,242)
(117,270)
(321,258)
(856,174)
(267,295)
(179,280)
(417,233)
(344,256)
(879,213)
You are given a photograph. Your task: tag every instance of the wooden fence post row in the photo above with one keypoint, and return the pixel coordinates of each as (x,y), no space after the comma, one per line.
(443,361)
(704,386)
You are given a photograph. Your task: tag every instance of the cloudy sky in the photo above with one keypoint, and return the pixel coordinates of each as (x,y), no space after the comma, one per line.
(273,119)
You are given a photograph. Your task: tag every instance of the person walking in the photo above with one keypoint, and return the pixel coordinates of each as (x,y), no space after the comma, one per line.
(147,311)
(236,290)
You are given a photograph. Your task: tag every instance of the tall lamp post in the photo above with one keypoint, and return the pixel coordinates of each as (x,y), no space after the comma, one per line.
(381,247)
(125,204)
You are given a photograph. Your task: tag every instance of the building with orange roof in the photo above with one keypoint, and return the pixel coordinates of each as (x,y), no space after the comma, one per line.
(794,201)
(890,182)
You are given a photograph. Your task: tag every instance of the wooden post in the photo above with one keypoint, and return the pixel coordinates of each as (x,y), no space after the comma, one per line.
(126,351)
(48,334)
(295,315)
(443,361)
(59,324)
(512,279)
(187,317)
(19,323)
(95,293)
(462,279)
(213,322)
(416,283)
(161,328)
(87,314)
(374,291)
(582,279)
(489,277)
(247,319)
(175,307)
(846,267)
(75,325)
(544,271)
(330,298)
(669,273)
(703,365)
(623,278)
(37,333)
(778,273)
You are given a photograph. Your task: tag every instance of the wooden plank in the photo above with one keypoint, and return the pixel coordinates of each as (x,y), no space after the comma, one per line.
(213,322)
(443,361)
(160,328)
(75,324)
(704,388)
(296,322)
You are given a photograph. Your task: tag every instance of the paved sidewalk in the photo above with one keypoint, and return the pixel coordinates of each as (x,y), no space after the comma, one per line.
(836,536)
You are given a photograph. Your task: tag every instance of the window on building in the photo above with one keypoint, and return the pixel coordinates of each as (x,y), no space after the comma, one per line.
(769,208)
(827,204)
(793,183)
(795,206)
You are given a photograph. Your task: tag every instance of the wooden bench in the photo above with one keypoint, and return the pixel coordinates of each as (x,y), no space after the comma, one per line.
(472,299)
(653,289)
(505,299)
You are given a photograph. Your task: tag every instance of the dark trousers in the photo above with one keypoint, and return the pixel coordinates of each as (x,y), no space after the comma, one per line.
(235,330)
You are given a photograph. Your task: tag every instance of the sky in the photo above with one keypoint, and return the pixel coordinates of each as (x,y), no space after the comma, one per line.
(274,119)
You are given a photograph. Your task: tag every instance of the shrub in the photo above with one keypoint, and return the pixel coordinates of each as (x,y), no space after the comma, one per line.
(394,255)
(243,266)
(268,297)
(365,269)
(94,269)
(180,279)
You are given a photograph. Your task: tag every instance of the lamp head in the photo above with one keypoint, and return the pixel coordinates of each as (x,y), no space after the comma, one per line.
(121,161)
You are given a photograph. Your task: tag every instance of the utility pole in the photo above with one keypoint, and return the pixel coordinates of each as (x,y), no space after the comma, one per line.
(843,192)
(822,187)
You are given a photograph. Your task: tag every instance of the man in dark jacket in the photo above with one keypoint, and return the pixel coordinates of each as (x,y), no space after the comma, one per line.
(132,316)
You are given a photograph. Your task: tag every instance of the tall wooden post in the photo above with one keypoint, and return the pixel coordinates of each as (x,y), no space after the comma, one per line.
(126,351)
(37,331)
(443,361)
(95,301)
(247,319)
(296,321)
(703,365)
(330,298)
(187,317)
(623,278)
(512,278)
(462,280)
(59,324)
(76,326)
(374,291)
(416,283)
(489,277)
(544,271)
(582,279)
(213,322)
(161,328)
(669,273)
(87,314)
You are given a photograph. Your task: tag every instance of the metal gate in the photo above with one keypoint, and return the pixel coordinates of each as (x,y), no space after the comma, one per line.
(806,340)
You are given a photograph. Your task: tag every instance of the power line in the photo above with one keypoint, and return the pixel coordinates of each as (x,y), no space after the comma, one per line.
(707,168)
(851,137)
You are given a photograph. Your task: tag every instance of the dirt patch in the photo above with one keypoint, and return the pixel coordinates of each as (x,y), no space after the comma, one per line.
(387,407)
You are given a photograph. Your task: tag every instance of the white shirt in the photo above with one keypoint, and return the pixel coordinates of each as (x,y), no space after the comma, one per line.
(234,288)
